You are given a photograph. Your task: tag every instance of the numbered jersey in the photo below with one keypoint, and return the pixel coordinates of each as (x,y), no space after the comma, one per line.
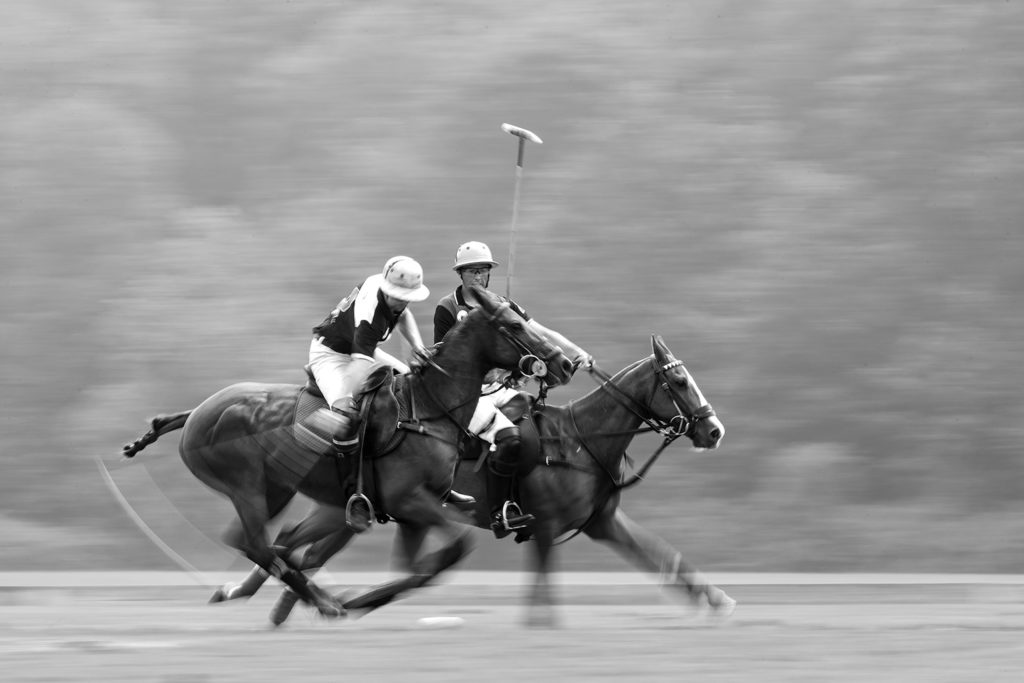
(360,321)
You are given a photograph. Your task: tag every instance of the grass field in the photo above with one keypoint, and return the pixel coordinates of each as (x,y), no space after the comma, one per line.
(168,634)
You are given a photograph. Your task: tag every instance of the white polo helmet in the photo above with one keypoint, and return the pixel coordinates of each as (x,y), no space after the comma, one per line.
(473,254)
(403,279)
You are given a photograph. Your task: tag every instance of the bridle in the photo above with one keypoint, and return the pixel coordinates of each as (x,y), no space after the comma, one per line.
(683,423)
(530,364)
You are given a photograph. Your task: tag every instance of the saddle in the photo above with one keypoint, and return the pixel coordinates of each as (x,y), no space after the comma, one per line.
(359,508)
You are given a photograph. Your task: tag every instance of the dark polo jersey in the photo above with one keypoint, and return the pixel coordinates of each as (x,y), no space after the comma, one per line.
(453,308)
(360,321)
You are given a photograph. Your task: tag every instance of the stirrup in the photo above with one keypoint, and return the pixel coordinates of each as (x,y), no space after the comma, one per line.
(511,517)
(358,513)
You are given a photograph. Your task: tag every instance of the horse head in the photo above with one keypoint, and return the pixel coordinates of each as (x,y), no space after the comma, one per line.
(523,346)
(680,403)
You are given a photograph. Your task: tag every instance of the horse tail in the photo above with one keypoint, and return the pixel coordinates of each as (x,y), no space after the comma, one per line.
(158,426)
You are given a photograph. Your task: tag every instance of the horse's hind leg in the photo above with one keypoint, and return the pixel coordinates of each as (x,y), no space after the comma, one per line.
(325,531)
(653,553)
(320,524)
(235,537)
(254,515)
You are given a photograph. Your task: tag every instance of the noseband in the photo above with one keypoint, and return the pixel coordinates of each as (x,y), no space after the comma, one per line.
(530,364)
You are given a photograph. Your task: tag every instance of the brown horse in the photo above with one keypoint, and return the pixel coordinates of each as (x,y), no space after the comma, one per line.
(572,486)
(245,443)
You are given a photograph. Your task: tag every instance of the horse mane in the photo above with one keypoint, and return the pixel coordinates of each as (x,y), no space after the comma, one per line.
(457,332)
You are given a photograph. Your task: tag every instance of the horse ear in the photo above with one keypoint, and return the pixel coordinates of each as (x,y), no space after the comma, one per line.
(485,298)
(661,351)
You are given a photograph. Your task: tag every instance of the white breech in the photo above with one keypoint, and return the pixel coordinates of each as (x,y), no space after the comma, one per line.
(488,419)
(337,375)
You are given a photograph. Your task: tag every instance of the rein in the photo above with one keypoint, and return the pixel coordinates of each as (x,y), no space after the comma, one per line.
(528,357)
(680,425)
(415,424)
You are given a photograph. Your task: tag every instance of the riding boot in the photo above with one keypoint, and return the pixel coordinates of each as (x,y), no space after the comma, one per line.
(457,499)
(506,515)
(346,432)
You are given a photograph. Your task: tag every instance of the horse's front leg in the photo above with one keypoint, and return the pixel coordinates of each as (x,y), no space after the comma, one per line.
(540,604)
(421,511)
(649,551)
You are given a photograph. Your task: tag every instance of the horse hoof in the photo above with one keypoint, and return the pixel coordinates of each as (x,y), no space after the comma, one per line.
(541,619)
(328,606)
(225,593)
(222,594)
(721,604)
(332,611)
(283,607)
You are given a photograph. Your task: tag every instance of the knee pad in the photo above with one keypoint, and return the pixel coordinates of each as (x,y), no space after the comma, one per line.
(505,459)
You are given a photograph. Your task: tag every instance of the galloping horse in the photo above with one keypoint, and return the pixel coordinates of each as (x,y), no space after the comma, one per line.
(242,440)
(573,486)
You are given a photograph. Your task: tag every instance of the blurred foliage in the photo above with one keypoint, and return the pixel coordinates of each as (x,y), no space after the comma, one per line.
(818,206)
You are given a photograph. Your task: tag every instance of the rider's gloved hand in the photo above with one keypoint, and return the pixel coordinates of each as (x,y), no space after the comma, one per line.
(583,360)
(420,358)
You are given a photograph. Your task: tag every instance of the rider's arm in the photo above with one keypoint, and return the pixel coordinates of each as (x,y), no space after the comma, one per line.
(569,348)
(382,356)
(408,328)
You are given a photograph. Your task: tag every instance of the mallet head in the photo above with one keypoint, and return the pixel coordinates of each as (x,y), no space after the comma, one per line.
(521,133)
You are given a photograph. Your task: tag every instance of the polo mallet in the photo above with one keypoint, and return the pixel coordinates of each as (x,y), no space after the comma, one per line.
(523,136)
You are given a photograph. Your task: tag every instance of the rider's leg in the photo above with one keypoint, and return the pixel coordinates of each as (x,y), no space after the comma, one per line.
(486,421)
(338,376)
(506,515)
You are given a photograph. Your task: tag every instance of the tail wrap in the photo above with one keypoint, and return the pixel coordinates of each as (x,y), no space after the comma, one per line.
(158,426)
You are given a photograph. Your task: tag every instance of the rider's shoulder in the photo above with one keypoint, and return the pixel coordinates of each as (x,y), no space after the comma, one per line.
(449,301)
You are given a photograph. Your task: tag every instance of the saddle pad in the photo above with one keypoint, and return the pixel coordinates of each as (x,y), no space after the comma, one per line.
(295,451)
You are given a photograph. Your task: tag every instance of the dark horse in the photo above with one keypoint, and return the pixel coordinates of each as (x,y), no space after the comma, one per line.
(574,484)
(240,441)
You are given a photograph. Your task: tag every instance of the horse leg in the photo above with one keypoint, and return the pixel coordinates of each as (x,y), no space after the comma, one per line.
(235,537)
(321,521)
(408,542)
(649,551)
(540,603)
(254,515)
(328,538)
(422,573)
(426,509)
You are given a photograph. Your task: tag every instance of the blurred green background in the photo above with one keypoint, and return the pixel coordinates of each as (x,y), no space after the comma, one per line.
(818,205)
